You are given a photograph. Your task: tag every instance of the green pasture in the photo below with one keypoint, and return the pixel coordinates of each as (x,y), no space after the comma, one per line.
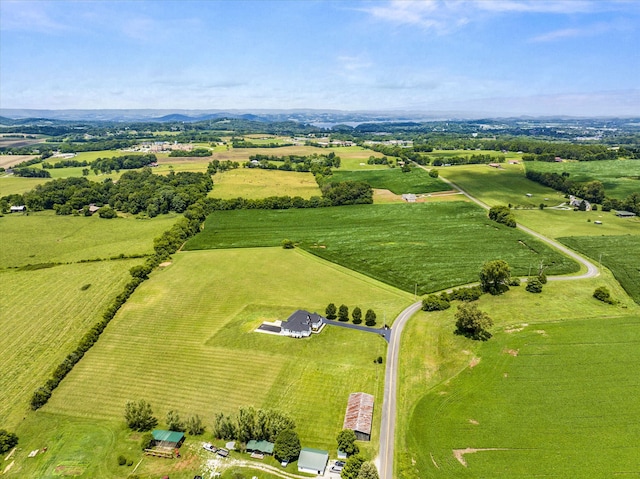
(557,223)
(355,158)
(431,245)
(256,183)
(524,402)
(444,154)
(15,185)
(43,315)
(44,237)
(621,254)
(620,178)
(393,179)
(94,155)
(501,186)
(185,340)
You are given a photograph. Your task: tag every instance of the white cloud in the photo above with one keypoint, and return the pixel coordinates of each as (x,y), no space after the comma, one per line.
(28,16)
(585,31)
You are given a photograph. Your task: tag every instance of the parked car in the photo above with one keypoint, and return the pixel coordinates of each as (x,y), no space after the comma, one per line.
(336,469)
(284,463)
(340,463)
(209,447)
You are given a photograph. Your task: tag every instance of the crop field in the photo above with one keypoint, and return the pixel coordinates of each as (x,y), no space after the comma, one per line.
(431,245)
(185,340)
(394,180)
(44,237)
(256,183)
(501,186)
(7,161)
(243,154)
(557,223)
(621,254)
(524,389)
(44,313)
(619,177)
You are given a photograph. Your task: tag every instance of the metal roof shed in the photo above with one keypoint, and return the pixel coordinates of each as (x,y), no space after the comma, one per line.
(359,415)
(313,461)
(168,438)
(265,447)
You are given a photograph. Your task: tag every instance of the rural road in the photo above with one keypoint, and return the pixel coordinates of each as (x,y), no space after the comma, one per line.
(388,423)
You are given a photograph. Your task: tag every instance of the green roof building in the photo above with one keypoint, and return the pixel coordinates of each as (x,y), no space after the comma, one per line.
(264,447)
(168,438)
(313,461)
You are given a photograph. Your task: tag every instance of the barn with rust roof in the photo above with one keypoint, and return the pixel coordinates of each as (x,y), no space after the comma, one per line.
(359,415)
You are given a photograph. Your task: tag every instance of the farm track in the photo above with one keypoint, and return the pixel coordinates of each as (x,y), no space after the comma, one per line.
(387,427)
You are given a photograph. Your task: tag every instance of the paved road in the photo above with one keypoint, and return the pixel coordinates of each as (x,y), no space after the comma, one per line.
(388,425)
(385,333)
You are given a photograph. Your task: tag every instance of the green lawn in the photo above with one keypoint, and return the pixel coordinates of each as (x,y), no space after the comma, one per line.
(558,223)
(256,183)
(621,254)
(43,315)
(433,245)
(501,186)
(533,404)
(393,179)
(15,185)
(185,340)
(619,177)
(44,237)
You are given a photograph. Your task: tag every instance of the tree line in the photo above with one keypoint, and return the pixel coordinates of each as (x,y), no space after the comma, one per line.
(196,152)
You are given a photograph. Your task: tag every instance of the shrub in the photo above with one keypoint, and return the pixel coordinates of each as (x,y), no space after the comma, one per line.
(146,441)
(85,287)
(343,313)
(370,318)
(472,323)
(139,416)
(130,462)
(434,303)
(433,173)
(602,294)
(534,285)
(356,314)
(502,214)
(331,311)
(107,212)
(287,244)
(195,426)
(8,440)
(122,460)
(514,282)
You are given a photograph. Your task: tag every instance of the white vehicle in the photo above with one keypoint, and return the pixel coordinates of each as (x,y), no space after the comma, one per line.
(209,447)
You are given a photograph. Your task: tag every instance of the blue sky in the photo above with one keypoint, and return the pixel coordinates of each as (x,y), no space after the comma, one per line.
(518,57)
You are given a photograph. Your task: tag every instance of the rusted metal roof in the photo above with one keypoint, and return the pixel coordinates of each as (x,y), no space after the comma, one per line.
(359,415)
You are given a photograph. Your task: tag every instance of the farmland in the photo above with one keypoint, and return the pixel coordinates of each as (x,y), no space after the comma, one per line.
(559,223)
(394,180)
(621,254)
(189,330)
(620,178)
(37,333)
(44,237)
(525,392)
(432,245)
(256,183)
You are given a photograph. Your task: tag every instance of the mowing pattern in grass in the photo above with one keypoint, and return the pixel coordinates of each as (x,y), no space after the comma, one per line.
(433,245)
(15,185)
(501,186)
(255,183)
(44,314)
(621,254)
(620,177)
(393,179)
(185,341)
(45,237)
(559,401)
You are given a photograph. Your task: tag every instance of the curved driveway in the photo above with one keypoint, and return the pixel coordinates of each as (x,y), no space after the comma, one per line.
(388,423)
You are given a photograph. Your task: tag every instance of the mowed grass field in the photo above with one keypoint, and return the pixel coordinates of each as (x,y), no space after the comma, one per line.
(621,254)
(433,245)
(43,315)
(44,237)
(553,387)
(255,183)
(14,185)
(185,340)
(559,223)
(393,179)
(501,186)
(620,178)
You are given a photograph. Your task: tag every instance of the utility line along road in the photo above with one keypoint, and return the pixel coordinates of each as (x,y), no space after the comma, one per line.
(388,423)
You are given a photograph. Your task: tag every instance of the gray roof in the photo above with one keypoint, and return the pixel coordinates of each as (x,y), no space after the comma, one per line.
(301,320)
(314,459)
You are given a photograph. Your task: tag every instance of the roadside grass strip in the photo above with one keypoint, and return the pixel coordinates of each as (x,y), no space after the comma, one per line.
(431,245)
(185,341)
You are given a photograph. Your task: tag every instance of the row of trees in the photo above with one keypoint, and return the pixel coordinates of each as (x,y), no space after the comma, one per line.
(250,423)
(216,165)
(197,152)
(342,314)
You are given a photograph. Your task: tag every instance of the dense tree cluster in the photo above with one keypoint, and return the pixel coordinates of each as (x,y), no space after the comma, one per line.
(93,145)
(125,162)
(347,193)
(347,442)
(473,159)
(442,301)
(472,323)
(63,163)
(8,440)
(502,214)
(250,423)
(31,173)
(139,416)
(602,293)
(196,152)
(216,165)
(287,445)
(242,143)
(135,192)
(495,277)
(316,164)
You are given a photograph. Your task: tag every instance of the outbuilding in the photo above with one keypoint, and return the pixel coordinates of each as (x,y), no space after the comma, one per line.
(265,447)
(625,214)
(313,461)
(169,439)
(359,415)
(18,209)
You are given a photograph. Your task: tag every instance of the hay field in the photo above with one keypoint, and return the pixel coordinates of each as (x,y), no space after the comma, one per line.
(44,237)
(14,185)
(43,314)
(7,161)
(434,245)
(256,183)
(527,392)
(393,179)
(184,340)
